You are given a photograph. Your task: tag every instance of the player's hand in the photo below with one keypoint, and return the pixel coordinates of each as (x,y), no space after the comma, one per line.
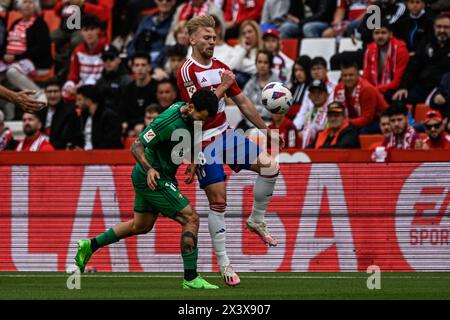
(400,94)
(190,171)
(26,102)
(228,78)
(273,135)
(152,175)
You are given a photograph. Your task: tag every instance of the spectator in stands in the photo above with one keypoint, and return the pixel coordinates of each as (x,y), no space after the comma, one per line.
(319,71)
(286,129)
(244,53)
(363,101)
(7,141)
(161,67)
(385,128)
(151,33)
(291,26)
(222,51)
(322,15)
(435,125)
(176,55)
(166,93)
(114,78)
(282,64)
(427,67)
(100,126)
(300,79)
(193,8)
(441,98)
(416,24)
(86,65)
(133,10)
(253,88)
(312,117)
(340,134)
(275,12)
(239,11)
(35,140)
(67,37)
(347,18)
(385,60)
(389,9)
(151,112)
(138,94)
(60,120)
(26,51)
(403,136)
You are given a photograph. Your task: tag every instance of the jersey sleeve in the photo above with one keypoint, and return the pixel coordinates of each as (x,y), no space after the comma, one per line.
(186,86)
(155,134)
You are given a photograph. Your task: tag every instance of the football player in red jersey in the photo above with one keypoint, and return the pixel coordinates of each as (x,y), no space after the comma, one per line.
(202,70)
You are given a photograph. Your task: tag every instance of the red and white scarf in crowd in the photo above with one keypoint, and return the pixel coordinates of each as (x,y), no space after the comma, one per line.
(313,125)
(33,144)
(389,66)
(188,10)
(351,103)
(17,38)
(409,139)
(248,4)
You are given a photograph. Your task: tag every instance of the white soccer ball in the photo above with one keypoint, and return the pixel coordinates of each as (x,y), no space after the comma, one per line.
(276,98)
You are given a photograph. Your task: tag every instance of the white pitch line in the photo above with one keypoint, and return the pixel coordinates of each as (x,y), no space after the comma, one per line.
(214,276)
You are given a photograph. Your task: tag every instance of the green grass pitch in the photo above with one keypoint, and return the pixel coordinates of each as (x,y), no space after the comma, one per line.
(260,286)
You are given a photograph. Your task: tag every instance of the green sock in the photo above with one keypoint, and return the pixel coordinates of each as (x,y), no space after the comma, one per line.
(190,259)
(106,238)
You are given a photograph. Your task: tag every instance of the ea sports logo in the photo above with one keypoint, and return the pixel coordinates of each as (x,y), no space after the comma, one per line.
(423,218)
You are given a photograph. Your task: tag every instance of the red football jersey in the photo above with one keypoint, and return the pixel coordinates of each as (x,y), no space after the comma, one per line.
(442,143)
(193,76)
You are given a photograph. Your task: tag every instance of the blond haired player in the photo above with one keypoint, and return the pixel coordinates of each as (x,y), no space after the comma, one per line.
(222,144)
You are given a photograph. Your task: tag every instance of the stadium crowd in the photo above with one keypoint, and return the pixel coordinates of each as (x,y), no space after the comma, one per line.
(107,80)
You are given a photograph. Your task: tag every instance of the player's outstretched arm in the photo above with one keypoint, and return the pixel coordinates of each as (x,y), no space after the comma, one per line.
(248,109)
(138,151)
(22,98)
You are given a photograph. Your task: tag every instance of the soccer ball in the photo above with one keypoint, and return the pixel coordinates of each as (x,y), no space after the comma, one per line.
(276,98)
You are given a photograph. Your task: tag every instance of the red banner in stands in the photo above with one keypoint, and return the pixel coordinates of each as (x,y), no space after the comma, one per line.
(326,217)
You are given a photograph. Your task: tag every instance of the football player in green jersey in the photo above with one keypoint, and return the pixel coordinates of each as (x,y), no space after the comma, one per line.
(156,188)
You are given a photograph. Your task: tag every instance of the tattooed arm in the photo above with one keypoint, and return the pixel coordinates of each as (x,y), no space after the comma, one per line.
(138,151)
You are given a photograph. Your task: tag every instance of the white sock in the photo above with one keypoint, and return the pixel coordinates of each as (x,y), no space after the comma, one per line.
(262,192)
(217,230)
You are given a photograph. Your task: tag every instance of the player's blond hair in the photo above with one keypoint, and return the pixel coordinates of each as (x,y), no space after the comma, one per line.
(200,22)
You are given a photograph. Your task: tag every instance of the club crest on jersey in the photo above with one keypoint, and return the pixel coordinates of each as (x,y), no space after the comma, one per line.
(149,135)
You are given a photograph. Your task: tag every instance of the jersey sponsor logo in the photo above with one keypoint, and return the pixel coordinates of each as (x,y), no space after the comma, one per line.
(149,135)
(209,77)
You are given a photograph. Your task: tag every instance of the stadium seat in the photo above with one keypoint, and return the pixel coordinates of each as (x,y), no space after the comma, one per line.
(323,47)
(334,75)
(290,48)
(346,44)
(366,140)
(420,112)
(53,21)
